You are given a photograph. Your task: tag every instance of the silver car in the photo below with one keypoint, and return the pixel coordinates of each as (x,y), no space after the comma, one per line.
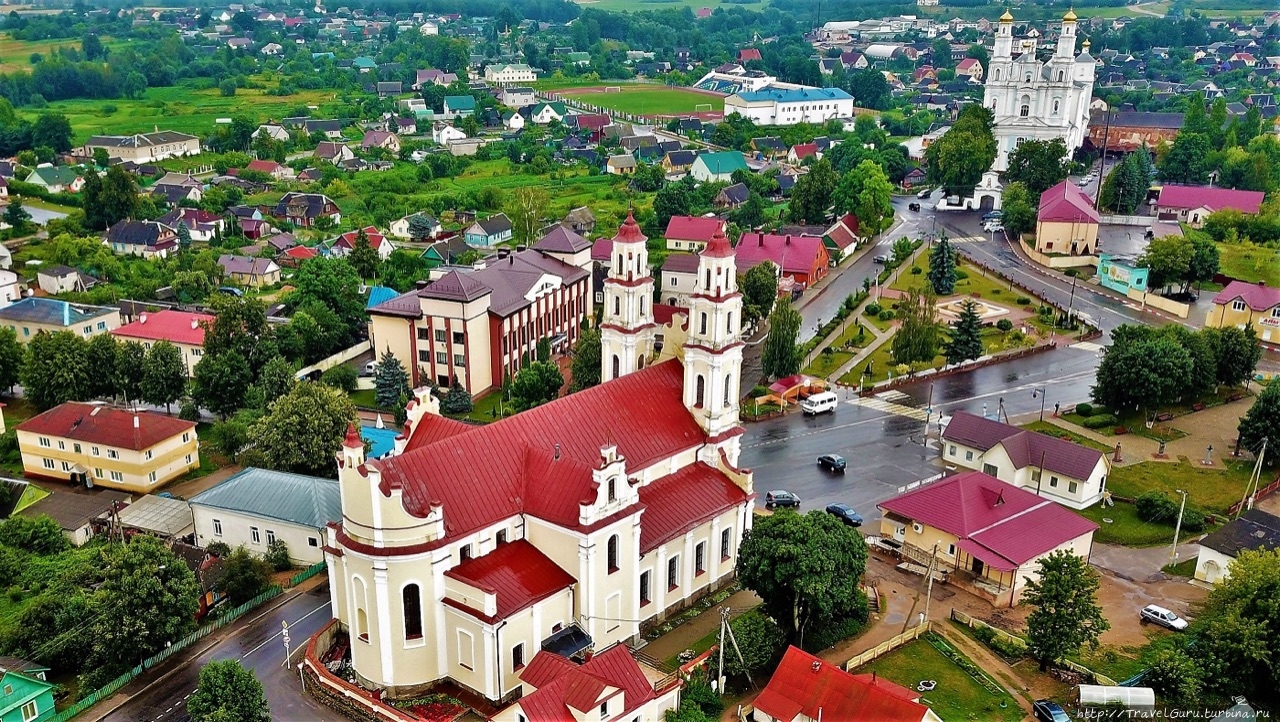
(1163,617)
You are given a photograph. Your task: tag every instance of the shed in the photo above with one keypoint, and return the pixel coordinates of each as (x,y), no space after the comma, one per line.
(77,513)
(257,506)
(162,516)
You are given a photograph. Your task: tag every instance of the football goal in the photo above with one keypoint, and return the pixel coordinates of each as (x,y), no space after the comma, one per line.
(613,88)
(702,107)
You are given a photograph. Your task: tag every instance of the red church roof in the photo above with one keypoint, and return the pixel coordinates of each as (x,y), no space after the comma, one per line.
(167,325)
(517,572)
(565,691)
(1065,203)
(804,684)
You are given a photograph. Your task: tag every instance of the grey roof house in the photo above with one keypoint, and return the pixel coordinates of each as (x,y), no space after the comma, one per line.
(257,507)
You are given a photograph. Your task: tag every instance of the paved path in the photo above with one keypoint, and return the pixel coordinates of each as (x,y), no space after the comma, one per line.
(683,636)
(1139,564)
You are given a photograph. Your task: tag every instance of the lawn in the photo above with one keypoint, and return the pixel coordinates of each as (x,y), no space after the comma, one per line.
(1211,488)
(976,283)
(1120,524)
(1250,263)
(957,696)
(648,99)
(16,54)
(825,364)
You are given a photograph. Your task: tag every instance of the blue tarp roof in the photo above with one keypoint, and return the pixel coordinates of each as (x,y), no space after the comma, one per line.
(379,294)
(380,441)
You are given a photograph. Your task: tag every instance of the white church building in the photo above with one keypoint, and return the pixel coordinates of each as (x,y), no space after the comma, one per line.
(1034,100)
(486,555)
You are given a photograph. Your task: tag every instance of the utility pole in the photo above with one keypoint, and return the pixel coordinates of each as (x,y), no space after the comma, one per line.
(928,596)
(737,649)
(1178,528)
(1040,478)
(1102,167)
(724,622)
(1251,488)
(928,414)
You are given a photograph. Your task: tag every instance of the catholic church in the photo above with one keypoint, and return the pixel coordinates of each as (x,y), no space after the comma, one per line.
(1035,100)
(488,555)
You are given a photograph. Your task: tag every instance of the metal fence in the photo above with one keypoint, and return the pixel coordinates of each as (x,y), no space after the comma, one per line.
(227,616)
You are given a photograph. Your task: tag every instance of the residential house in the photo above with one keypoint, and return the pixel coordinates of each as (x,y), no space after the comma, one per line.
(148,239)
(254,508)
(679,279)
(1193,204)
(769,147)
(9,290)
(579,220)
(183,329)
(178,187)
(800,151)
(144,147)
(517,97)
(1066,221)
(510,74)
(79,516)
(272,168)
(805,688)
(34,670)
(592,123)
(201,225)
(1255,530)
(294,256)
(465,146)
(406,125)
(95,444)
(56,179)
(387,88)
(528,513)
(564,244)
(459,106)
(446,252)
(26,698)
(402,229)
(331,129)
(804,259)
(344,244)
(1244,305)
(1068,473)
(678,161)
(732,196)
(443,133)
(620,165)
(62,279)
(274,132)
(971,68)
(4,188)
(693,233)
(489,232)
(33,315)
(307,209)
(544,113)
(989,536)
(249,271)
(511,120)
(842,238)
(431,76)
(381,139)
(335,153)
(717,167)
(612,684)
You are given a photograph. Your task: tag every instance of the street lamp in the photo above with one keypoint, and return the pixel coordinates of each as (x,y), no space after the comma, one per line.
(1177,529)
(1043,394)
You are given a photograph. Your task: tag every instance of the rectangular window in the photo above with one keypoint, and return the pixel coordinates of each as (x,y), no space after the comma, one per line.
(117,476)
(440,335)
(442,357)
(113,454)
(96,452)
(48,464)
(1072,486)
(457,337)
(312,542)
(75,448)
(97,473)
(459,360)
(66,466)
(30,711)
(424,334)
(102,325)
(186,436)
(188,459)
(673,572)
(217,527)
(1035,475)
(726,538)
(424,356)
(464,552)
(44,441)
(148,454)
(644,589)
(951,550)
(1053,481)
(968,456)
(152,477)
(517,657)
(700,558)
(989,469)
(673,281)
(271,537)
(1237,305)
(604,709)
(253,534)
(952,451)
(501,537)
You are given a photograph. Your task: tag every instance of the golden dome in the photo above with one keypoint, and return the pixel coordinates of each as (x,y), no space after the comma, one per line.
(1007,17)
(1070,17)
(1086,44)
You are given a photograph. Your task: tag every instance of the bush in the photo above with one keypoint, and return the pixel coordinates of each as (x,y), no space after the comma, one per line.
(1023,301)
(1193,520)
(873,309)
(188,410)
(342,377)
(758,391)
(1005,325)
(961,274)
(916,270)
(218,549)
(760,640)
(1100,421)
(697,691)
(1155,506)
(885,315)
(1085,410)
(16,594)
(1001,646)
(829,634)
(278,555)
(1071,273)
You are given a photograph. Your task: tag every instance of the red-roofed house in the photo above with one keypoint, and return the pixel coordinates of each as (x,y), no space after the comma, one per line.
(570,526)
(971,67)
(842,238)
(804,259)
(748,54)
(1192,204)
(612,685)
(692,233)
(293,257)
(989,535)
(180,328)
(1244,305)
(1067,222)
(804,688)
(117,448)
(800,151)
(1057,469)
(347,241)
(272,168)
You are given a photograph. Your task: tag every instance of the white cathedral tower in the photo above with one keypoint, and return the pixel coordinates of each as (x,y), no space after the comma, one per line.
(627,331)
(713,352)
(1035,100)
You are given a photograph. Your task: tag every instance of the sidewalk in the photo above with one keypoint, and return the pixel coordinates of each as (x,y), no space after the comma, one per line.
(880,336)
(683,636)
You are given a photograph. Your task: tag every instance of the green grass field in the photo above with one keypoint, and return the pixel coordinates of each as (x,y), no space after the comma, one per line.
(180,107)
(1250,263)
(957,696)
(16,54)
(649,100)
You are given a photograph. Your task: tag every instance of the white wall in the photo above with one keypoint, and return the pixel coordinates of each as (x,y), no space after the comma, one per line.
(237,531)
(1206,561)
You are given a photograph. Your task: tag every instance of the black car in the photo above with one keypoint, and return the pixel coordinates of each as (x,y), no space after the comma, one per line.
(1049,711)
(881,259)
(781,498)
(913,207)
(845,513)
(832,462)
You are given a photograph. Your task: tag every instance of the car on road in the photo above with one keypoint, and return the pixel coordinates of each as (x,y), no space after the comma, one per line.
(832,462)
(881,259)
(370,369)
(845,513)
(993,227)
(924,193)
(913,207)
(1049,711)
(992,216)
(781,498)
(1163,617)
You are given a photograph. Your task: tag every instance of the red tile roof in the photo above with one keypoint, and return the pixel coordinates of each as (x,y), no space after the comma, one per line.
(602,249)
(1215,199)
(678,502)
(693,228)
(804,150)
(106,425)
(1065,203)
(793,254)
(664,314)
(746,54)
(301,252)
(266,166)
(1000,523)
(348,239)
(844,233)
(642,413)
(565,690)
(804,684)
(1025,448)
(966,64)
(896,690)
(167,325)
(1257,296)
(517,572)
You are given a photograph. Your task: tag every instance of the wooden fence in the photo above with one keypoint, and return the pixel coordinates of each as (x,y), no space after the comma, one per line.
(1013,639)
(887,646)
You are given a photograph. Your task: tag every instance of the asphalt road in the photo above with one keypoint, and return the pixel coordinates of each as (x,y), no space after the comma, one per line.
(257,643)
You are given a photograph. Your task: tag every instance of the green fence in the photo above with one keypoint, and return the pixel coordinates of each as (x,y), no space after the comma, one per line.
(224,617)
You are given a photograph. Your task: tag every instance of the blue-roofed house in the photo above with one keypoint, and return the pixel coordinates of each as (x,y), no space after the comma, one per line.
(379,294)
(364,65)
(789,106)
(257,506)
(30,316)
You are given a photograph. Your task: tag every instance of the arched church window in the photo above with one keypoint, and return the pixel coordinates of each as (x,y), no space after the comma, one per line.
(613,493)
(1028,77)
(412,599)
(1056,103)
(617,305)
(1025,110)
(997,73)
(700,391)
(642,300)
(613,553)
(617,366)
(702,323)
(728,389)
(361,604)
(728,323)
(1060,76)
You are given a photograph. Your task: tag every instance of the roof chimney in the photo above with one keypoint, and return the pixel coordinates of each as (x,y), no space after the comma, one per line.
(557,456)
(788,239)
(760,240)
(817,666)
(142,318)
(195,323)
(136,423)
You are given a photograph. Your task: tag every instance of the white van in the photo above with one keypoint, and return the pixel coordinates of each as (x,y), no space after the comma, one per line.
(820,403)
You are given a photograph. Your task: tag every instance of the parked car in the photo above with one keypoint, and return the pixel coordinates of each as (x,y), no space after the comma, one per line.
(924,193)
(820,403)
(1163,617)
(993,227)
(845,513)
(881,259)
(781,498)
(1049,711)
(832,462)
(230,291)
(992,216)
(913,207)
(371,368)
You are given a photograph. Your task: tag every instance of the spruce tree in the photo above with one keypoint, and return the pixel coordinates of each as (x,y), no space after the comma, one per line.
(184,236)
(966,336)
(942,267)
(391,382)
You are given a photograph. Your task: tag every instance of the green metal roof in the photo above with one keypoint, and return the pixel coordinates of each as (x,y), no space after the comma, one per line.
(308,501)
(724,162)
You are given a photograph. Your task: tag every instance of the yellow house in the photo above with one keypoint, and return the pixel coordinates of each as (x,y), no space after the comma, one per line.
(986,535)
(180,328)
(94,444)
(1067,222)
(1248,305)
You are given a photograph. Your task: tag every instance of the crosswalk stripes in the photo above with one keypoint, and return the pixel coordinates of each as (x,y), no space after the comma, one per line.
(968,239)
(891,395)
(1087,346)
(890,407)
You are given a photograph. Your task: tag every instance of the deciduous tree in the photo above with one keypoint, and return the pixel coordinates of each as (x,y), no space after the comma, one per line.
(1148,371)
(1187,162)
(1038,164)
(304,429)
(1235,632)
(131,358)
(220,382)
(586,360)
(55,369)
(35,534)
(245,576)
(10,357)
(812,194)
(1067,616)
(536,384)
(1169,259)
(164,375)
(525,209)
(228,693)
(759,287)
(917,337)
(781,356)
(957,160)
(276,379)
(103,353)
(1019,209)
(1236,353)
(1262,421)
(240,325)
